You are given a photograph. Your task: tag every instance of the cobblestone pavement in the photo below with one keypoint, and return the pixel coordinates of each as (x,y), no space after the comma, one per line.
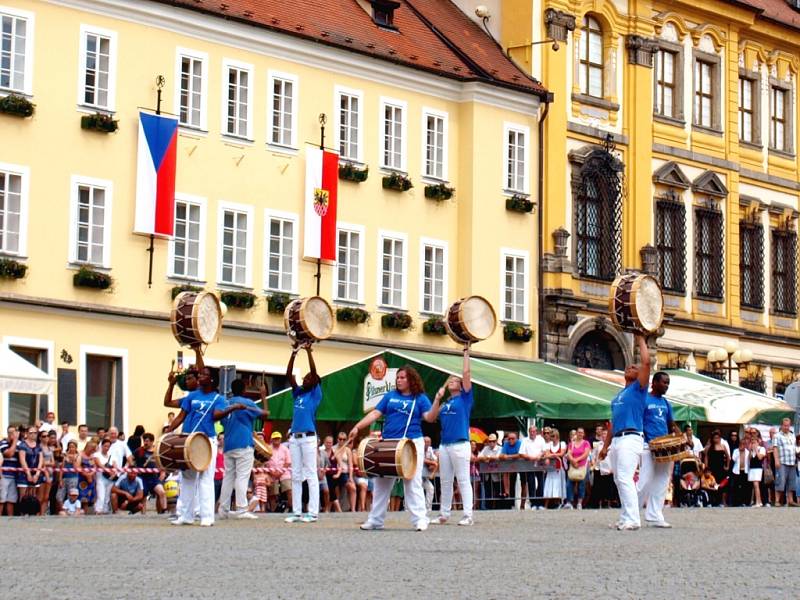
(710,553)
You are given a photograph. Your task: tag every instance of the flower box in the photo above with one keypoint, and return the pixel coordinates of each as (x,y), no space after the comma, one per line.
(179,289)
(277,302)
(434,326)
(89,278)
(517,332)
(19,106)
(12,269)
(349,314)
(350,172)
(439,192)
(396,320)
(397,182)
(99,122)
(242,300)
(519,204)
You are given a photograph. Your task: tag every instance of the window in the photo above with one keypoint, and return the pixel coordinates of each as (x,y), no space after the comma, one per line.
(779,119)
(747,120)
(90,236)
(393,135)
(191,93)
(281,256)
(349,109)
(238,99)
(103,391)
(435,149)
(13,209)
(16,48)
(28,408)
(98,64)
(516,158)
(671,244)
(348,264)
(591,58)
(392,248)
(187,258)
(705,84)
(434,276)
(666,92)
(235,245)
(784,269)
(515,285)
(751,264)
(283,111)
(709,253)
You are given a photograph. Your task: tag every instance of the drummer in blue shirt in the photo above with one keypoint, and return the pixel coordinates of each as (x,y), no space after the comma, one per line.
(654,476)
(627,445)
(454,450)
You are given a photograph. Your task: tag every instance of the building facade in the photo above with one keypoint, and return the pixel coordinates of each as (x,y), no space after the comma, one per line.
(415,89)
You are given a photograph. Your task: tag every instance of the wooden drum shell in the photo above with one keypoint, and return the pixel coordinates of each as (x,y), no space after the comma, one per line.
(669,448)
(180,451)
(468,327)
(624,307)
(309,319)
(185,318)
(387,458)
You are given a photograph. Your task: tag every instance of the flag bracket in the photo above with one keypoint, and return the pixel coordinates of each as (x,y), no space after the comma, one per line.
(160,81)
(322,120)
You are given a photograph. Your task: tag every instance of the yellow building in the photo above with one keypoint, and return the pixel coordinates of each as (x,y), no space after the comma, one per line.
(671,148)
(416,89)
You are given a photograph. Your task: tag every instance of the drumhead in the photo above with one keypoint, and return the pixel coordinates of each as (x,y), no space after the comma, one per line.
(649,303)
(207,317)
(406,459)
(478,317)
(318,317)
(198,451)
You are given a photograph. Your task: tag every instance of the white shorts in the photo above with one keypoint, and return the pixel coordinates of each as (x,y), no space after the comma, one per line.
(8,490)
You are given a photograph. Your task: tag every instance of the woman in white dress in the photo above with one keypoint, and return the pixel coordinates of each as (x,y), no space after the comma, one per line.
(555,483)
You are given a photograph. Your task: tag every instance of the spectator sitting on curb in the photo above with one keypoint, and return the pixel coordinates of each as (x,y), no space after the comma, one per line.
(71,506)
(128,494)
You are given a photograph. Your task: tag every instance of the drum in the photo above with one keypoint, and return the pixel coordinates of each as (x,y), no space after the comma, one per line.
(470,319)
(636,303)
(179,451)
(262,451)
(308,319)
(387,458)
(669,448)
(196,318)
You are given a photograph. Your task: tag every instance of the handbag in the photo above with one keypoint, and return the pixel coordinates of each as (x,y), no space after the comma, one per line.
(769,476)
(576,473)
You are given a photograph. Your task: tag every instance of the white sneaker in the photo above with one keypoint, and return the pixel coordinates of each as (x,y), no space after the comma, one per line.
(293,519)
(440,520)
(422,525)
(627,527)
(223,513)
(660,524)
(308,519)
(367,526)
(246,515)
(466,521)
(180,521)
(567,506)
(206,522)
(540,508)
(580,506)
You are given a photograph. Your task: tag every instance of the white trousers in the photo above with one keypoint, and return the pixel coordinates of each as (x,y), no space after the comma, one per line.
(624,457)
(454,460)
(179,504)
(304,468)
(652,485)
(199,486)
(103,492)
(238,466)
(413,497)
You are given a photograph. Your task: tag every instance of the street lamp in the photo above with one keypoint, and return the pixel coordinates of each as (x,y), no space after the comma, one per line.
(730,353)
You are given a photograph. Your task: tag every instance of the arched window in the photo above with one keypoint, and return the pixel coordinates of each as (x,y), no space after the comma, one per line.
(591,56)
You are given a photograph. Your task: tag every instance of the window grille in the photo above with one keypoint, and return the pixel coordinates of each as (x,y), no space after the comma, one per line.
(751,264)
(671,243)
(709,253)
(784,269)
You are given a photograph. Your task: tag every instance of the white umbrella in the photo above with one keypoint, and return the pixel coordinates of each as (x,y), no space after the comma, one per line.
(18,375)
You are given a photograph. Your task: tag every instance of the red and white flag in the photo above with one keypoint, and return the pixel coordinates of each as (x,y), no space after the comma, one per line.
(322,181)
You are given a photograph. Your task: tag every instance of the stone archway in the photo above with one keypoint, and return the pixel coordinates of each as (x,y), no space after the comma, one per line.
(595,343)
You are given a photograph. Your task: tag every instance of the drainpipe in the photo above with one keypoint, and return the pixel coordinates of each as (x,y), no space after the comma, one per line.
(540,218)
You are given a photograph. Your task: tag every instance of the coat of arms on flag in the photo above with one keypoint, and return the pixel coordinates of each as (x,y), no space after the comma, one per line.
(321,200)
(322,179)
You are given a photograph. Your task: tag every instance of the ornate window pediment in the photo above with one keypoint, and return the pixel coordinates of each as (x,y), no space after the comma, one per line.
(671,175)
(710,184)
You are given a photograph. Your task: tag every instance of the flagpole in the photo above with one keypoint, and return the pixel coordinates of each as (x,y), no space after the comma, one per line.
(322,120)
(159,85)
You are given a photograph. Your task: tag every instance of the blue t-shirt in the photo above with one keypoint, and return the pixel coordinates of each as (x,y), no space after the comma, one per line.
(304,417)
(9,461)
(627,408)
(200,408)
(132,487)
(509,449)
(396,408)
(189,421)
(657,415)
(454,416)
(239,424)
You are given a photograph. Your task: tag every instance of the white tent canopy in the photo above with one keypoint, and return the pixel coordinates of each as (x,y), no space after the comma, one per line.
(18,375)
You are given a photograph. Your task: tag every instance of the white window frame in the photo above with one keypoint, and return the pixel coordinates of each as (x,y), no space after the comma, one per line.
(392,235)
(340,91)
(227,64)
(270,214)
(27,84)
(201,252)
(423,243)
(361,231)
(180,54)
(403,106)
(247,209)
(25,173)
(431,112)
(272,75)
(112,68)
(120,353)
(39,344)
(526,131)
(525,256)
(75,182)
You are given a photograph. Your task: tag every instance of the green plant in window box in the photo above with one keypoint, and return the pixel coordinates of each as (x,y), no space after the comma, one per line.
(89,278)
(12,269)
(439,192)
(179,289)
(517,332)
(396,320)
(277,302)
(99,122)
(351,314)
(350,172)
(241,300)
(519,203)
(397,182)
(13,104)
(434,326)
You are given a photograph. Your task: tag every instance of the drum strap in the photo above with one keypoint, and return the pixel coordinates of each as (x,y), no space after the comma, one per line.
(200,420)
(411,412)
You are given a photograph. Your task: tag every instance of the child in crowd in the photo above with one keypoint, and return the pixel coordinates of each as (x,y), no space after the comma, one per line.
(72,506)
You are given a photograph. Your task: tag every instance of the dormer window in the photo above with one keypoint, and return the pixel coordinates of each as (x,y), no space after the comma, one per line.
(383,12)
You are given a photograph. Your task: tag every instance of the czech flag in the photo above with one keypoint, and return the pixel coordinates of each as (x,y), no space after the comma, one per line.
(322,181)
(155,175)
